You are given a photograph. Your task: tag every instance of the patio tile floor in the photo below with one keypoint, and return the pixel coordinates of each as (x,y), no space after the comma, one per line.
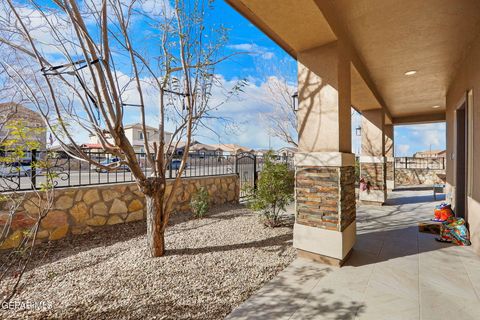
(394,272)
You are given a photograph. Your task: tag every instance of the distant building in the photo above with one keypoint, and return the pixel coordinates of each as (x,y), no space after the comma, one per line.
(262,152)
(430,154)
(10,112)
(286,152)
(134,134)
(231,149)
(201,150)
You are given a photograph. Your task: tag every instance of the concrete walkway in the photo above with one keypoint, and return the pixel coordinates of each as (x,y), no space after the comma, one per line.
(394,272)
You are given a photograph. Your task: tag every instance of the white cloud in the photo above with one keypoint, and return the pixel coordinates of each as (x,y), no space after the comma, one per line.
(403,150)
(253,49)
(156,7)
(420,138)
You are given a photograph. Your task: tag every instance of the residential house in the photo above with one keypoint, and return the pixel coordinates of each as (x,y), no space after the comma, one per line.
(286,152)
(134,133)
(430,154)
(228,149)
(11,112)
(201,150)
(262,152)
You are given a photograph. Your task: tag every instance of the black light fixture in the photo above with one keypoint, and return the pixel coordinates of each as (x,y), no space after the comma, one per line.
(295,101)
(358,131)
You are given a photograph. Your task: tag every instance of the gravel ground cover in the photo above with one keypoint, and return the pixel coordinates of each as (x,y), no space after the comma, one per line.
(212,265)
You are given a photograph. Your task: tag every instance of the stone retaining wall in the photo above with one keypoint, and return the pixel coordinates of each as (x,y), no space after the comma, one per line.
(419,176)
(81,210)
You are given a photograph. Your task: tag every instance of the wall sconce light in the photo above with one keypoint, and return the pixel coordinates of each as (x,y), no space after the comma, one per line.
(358,131)
(295,101)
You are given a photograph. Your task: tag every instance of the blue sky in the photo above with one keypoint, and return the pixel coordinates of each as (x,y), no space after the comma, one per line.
(264,59)
(408,139)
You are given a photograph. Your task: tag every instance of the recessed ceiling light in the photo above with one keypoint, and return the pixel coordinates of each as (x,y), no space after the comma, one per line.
(436,107)
(410,73)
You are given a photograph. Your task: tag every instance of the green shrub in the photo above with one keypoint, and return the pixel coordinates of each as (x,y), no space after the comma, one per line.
(200,203)
(274,191)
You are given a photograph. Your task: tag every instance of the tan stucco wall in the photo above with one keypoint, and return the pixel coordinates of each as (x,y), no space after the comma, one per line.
(324,119)
(373,133)
(467,77)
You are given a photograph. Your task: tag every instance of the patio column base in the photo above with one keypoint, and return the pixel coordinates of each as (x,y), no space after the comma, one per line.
(325,222)
(323,245)
(373,171)
(322,259)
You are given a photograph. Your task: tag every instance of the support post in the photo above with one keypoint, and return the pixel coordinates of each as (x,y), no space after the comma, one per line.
(373,160)
(325,222)
(390,157)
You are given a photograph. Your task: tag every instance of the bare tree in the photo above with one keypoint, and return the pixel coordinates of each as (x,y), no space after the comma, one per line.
(281,121)
(105,65)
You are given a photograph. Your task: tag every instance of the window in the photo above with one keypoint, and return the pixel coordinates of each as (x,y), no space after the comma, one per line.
(140,135)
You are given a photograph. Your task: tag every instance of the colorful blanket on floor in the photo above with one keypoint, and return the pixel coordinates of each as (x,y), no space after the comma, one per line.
(454,230)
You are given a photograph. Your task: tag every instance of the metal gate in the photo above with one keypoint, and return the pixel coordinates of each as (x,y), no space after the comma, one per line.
(246,168)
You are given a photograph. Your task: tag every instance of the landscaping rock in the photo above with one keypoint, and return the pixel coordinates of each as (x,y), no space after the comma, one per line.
(135,205)
(118,206)
(54,219)
(109,195)
(114,220)
(100,209)
(58,233)
(64,203)
(211,266)
(91,196)
(80,213)
(13,240)
(135,216)
(96,221)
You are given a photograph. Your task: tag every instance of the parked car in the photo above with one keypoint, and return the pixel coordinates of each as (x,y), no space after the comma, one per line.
(109,162)
(175,164)
(15,169)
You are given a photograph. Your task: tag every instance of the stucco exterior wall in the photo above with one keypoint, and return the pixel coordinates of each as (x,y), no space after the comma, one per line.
(467,78)
(81,210)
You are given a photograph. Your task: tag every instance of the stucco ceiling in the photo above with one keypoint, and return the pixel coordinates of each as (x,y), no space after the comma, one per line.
(389,37)
(299,23)
(393,37)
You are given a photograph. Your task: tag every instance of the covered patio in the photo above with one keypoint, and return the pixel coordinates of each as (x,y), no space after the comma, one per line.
(394,272)
(396,63)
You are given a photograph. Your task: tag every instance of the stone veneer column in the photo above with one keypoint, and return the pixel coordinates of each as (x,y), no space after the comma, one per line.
(373,167)
(390,157)
(325,224)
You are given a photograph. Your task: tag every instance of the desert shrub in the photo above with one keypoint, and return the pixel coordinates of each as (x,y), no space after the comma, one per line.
(274,191)
(200,203)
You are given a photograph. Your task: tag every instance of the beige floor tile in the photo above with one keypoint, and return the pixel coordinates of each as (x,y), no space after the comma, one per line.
(394,272)
(435,304)
(389,307)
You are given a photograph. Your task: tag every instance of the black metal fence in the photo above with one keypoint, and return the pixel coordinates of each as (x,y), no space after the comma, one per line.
(420,163)
(24,175)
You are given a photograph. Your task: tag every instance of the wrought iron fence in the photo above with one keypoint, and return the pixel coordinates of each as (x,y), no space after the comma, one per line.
(24,175)
(420,163)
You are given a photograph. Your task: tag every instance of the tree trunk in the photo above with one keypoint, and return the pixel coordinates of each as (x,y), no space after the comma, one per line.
(155,235)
